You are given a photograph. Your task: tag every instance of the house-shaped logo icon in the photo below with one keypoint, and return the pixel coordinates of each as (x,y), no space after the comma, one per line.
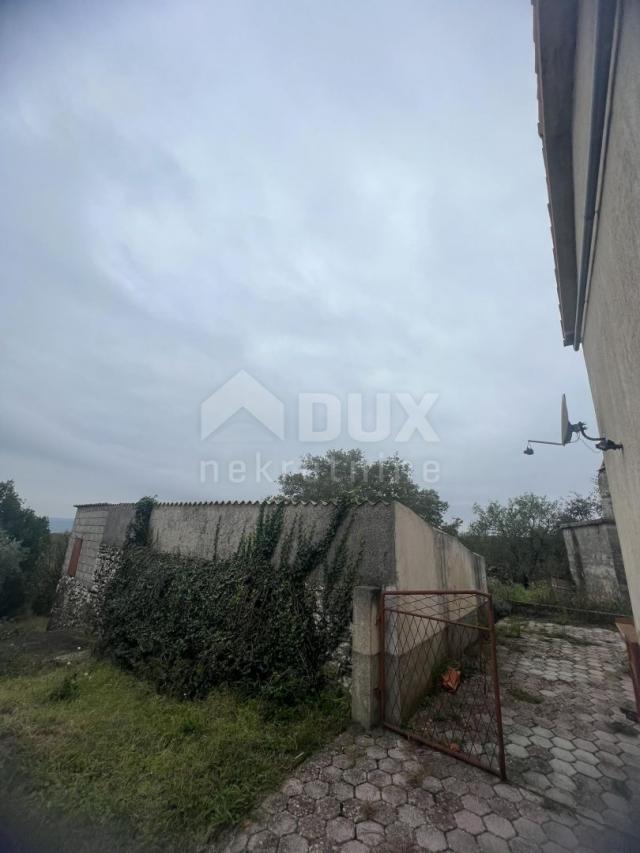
(242,391)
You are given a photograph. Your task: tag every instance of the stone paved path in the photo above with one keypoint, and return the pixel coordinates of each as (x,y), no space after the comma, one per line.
(573,760)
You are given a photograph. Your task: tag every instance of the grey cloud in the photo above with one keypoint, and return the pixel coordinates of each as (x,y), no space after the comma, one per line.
(334,197)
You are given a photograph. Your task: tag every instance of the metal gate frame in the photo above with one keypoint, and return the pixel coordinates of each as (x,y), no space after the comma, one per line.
(489,628)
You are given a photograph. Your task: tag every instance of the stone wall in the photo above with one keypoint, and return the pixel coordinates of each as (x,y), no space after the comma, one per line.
(595,560)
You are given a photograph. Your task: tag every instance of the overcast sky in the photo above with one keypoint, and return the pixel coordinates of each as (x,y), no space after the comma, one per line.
(334,197)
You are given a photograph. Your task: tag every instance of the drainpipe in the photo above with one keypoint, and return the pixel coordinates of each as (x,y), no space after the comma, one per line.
(605,62)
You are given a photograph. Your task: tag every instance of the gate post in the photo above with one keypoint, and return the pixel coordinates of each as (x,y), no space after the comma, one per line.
(365,644)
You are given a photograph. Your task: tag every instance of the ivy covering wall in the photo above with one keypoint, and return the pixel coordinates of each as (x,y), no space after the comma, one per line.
(268,618)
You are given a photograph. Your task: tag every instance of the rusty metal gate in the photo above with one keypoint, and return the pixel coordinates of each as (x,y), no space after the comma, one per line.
(439,674)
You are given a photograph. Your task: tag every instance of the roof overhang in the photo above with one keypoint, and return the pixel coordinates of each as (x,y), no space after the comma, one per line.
(555,26)
(556,29)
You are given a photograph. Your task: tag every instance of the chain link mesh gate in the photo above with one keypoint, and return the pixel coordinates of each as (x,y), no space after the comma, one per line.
(439,675)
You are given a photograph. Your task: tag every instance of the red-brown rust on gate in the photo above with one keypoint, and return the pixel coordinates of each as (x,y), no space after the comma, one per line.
(438,673)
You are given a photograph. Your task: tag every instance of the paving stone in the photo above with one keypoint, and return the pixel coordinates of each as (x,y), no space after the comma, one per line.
(539,730)
(341,791)
(327,808)
(316,790)
(469,821)
(559,780)
(563,767)
(356,810)
(430,838)
(564,792)
(292,788)
(377,753)
(422,799)
(499,826)
(587,745)
(390,765)
(562,754)
(538,780)
(475,804)
(343,761)
(508,792)
(331,774)
(505,808)
(311,827)
(299,806)
(394,795)
(378,778)
(382,813)
(399,833)
(529,829)
(432,784)
(369,827)
(284,823)
(265,841)
(293,844)
(616,802)
(587,770)
(561,835)
(587,757)
(492,844)
(354,847)
(411,815)
(538,740)
(340,829)
(562,743)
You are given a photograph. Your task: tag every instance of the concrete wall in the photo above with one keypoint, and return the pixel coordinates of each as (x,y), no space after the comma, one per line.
(595,560)
(426,559)
(612,332)
(191,529)
(194,529)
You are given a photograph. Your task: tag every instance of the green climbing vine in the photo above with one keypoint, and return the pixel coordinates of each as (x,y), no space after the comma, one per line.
(269,617)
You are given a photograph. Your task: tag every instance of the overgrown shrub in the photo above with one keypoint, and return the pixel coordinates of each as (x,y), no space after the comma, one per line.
(12,586)
(47,578)
(269,617)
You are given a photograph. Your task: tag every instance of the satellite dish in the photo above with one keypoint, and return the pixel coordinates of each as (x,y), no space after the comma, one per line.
(566,428)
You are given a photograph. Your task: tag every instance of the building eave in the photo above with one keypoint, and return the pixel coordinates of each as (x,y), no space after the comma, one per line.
(555,25)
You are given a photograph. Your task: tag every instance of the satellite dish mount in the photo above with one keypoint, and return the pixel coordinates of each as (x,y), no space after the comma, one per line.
(568,430)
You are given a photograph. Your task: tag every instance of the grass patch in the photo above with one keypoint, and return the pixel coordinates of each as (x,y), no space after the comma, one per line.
(523,695)
(100,746)
(510,627)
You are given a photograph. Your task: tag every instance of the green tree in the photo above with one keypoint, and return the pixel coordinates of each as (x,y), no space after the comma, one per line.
(341,473)
(30,531)
(580,508)
(12,590)
(520,539)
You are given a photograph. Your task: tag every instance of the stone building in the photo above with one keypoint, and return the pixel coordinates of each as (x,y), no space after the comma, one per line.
(399,549)
(588,72)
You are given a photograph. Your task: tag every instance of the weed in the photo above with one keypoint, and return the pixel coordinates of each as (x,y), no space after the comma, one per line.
(190,726)
(67,689)
(367,810)
(511,627)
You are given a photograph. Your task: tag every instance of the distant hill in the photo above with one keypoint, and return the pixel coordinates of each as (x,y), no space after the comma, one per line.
(60,525)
